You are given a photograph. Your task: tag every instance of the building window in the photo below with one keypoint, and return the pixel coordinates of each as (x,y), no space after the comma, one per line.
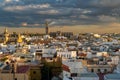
(69,56)
(64,56)
(98,70)
(92,70)
(15,79)
(105,70)
(34,72)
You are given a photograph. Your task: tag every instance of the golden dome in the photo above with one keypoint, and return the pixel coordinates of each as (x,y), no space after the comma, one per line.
(19,40)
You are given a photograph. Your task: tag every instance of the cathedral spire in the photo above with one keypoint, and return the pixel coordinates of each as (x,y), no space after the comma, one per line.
(19,40)
(6,36)
(46,29)
(6,31)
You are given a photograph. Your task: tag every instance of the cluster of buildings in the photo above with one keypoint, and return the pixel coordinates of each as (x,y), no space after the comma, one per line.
(83,57)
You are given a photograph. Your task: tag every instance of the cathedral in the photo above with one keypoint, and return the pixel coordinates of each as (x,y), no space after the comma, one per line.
(47,28)
(5,37)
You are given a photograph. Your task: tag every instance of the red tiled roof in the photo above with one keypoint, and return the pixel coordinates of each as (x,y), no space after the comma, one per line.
(22,69)
(65,68)
(101,76)
(82,54)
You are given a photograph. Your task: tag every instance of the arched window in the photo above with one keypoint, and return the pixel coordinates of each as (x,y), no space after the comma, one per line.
(34,72)
(92,70)
(98,70)
(105,70)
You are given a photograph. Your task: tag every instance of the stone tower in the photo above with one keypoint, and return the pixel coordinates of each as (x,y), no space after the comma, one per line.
(19,40)
(46,28)
(6,36)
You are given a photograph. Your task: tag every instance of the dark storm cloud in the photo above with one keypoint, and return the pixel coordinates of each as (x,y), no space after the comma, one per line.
(58,12)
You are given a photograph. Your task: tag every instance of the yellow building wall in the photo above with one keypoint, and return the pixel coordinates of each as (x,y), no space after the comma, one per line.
(35,73)
(9,76)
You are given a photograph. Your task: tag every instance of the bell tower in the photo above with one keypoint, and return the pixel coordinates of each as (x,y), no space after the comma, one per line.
(6,36)
(46,28)
(19,40)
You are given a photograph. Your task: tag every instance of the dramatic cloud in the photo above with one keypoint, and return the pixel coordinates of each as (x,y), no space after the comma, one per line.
(26,7)
(104,18)
(58,12)
(106,3)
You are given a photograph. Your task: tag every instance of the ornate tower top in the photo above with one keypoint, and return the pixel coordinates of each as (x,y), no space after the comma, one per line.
(6,36)
(19,40)
(6,30)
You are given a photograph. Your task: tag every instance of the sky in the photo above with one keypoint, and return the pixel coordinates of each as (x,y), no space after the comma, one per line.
(34,13)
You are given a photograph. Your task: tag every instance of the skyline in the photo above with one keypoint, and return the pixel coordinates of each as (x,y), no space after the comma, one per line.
(59,39)
(34,13)
(75,29)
